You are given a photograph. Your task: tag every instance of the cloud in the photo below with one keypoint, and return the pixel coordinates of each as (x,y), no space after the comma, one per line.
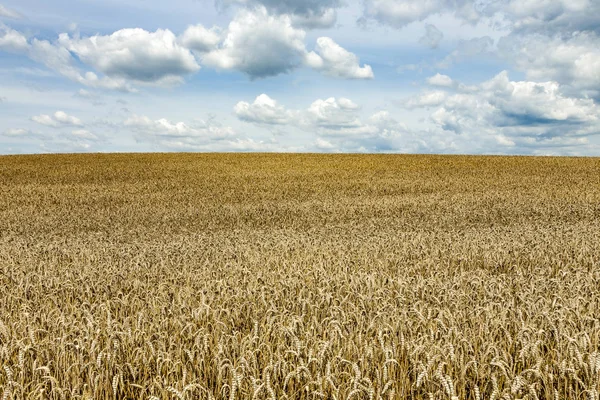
(259,45)
(264,110)
(440,80)
(55,57)
(262,45)
(8,13)
(335,61)
(128,55)
(308,14)
(572,60)
(399,13)
(468,49)
(315,20)
(335,116)
(432,38)
(59,119)
(426,100)
(166,130)
(198,135)
(135,54)
(330,116)
(84,134)
(256,42)
(338,125)
(200,39)
(12,41)
(547,16)
(523,113)
(59,59)
(20,133)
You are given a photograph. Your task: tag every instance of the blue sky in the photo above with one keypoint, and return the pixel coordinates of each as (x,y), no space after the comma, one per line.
(433,76)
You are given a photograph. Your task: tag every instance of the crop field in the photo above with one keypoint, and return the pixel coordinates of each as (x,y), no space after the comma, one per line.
(222,276)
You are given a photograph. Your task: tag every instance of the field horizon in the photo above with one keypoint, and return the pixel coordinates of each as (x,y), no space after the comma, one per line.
(299,276)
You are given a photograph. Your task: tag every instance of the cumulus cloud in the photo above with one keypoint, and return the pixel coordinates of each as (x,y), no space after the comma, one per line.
(198,135)
(315,20)
(20,133)
(307,14)
(427,99)
(440,80)
(84,134)
(200,39)
(8,13)
(336,61)
(259,45)
(572,60)
(549,16)
(59,119)
(520,113)
(167,130)
(468,49)
(135,54)
(264,110)
(338,124)
(12,41)
(432,38)
(55,57)
(335,116)
(399,13)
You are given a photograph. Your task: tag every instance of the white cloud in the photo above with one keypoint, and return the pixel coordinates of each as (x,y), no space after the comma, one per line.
(20,133)
(165,129)
(399,13)
(135,54)
(315,20)
(549,16)
(467,49)
(264,110)
(259,45)
(339,126)
(55,57)
(307,14)
(12,41)
(523,113)
(336,61)
(432,38)
(323,144)
(195,136)
(59,119)
(6,12)
(200,39)
(327,115)
(335,116)
(440,80)
(84,134)
(427,99)
(573,60)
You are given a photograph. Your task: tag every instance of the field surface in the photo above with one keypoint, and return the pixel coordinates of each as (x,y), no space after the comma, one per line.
(299,277)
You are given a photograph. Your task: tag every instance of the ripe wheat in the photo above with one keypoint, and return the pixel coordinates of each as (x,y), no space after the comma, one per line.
(299,277)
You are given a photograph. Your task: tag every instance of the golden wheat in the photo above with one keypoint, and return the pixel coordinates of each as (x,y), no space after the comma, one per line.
(299,277)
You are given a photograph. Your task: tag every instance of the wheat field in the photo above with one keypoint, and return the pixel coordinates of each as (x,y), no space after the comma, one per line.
(222,276)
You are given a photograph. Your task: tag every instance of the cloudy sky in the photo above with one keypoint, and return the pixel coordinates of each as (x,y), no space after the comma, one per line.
(427,76)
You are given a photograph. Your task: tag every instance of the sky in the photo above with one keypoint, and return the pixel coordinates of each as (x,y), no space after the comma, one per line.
(364,76)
